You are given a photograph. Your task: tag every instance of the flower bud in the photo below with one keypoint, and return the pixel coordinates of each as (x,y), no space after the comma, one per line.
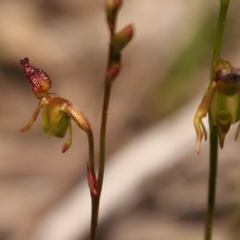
(122,38)
(112,8)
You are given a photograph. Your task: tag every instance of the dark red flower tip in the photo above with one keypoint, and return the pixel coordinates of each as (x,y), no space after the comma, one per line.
(25,61)
(39,80)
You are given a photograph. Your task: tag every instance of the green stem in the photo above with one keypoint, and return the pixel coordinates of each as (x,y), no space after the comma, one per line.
(213,128)
(211,181)
(219,35)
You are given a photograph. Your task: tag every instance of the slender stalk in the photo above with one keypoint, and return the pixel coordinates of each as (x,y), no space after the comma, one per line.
(106,99)
(96,198)
(213,128)
(103,135)
(219,34)
(103,128)
(118,41)
(211,181)
(91,152)
(92,172)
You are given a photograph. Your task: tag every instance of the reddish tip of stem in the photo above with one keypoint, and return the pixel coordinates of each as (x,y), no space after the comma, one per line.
(65,147)
(92,181)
